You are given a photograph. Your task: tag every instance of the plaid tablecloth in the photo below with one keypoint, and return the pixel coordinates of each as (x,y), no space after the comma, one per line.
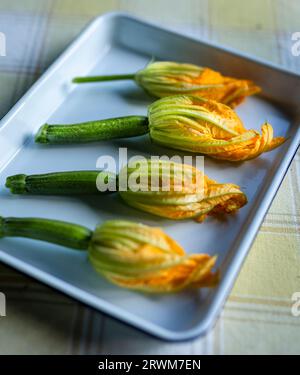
(257,317)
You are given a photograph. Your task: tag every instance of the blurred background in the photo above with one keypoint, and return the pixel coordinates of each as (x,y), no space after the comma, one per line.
(257,317)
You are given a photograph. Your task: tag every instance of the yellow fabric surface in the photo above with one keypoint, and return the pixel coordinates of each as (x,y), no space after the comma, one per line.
(257,317)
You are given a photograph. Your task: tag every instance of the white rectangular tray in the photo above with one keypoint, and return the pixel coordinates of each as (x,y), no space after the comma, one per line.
(117,43)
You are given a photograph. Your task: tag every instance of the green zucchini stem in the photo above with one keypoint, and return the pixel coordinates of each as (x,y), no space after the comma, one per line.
(93,131)
(58,232)
(60,183)
(116,77)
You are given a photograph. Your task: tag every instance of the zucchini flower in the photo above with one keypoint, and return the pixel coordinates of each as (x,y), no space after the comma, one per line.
(167,78)
(182,122)
(179,191)
(205,126)
(167,189)
(128,254)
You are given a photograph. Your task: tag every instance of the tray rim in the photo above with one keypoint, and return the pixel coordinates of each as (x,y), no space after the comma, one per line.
(244,243)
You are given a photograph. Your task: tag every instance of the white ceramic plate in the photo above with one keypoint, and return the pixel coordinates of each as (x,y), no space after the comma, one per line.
(117,43)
